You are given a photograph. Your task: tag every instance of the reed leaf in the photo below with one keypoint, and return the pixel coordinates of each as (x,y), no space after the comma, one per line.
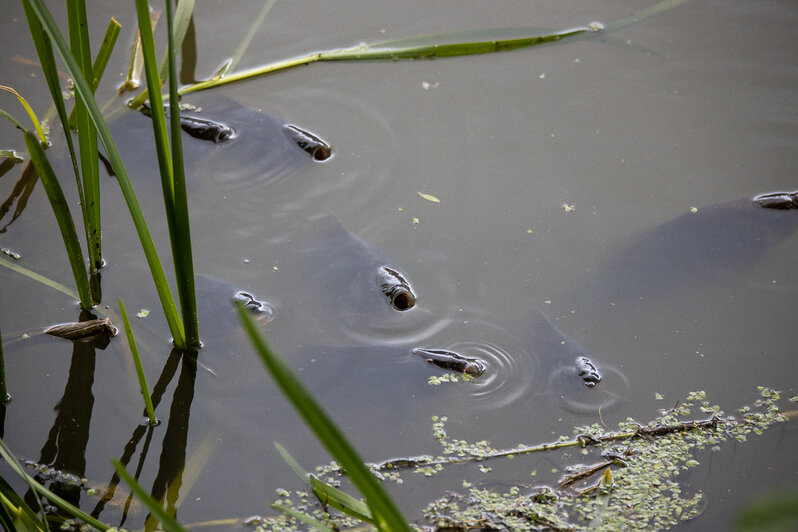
(55,285)
(44,20)
(328,494)
(68,508)
(63,217)
(382,506)
(4,397)
(33,118)
(145,390)
(181,237)
(182,18)
(87,139)
(169,522)
(101,61)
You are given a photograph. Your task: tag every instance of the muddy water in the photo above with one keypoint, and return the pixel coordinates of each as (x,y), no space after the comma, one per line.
(631,130)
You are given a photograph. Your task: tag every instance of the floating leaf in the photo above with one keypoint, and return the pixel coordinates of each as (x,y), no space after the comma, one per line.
(429,197)
(143,313)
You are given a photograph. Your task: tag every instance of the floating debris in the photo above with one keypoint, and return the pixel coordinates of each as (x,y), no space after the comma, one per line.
(429,197)
(83,329)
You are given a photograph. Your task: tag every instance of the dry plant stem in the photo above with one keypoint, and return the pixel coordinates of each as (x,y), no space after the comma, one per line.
(579,441)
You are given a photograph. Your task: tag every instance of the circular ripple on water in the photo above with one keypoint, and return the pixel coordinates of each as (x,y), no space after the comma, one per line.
(511,370)
(570,393)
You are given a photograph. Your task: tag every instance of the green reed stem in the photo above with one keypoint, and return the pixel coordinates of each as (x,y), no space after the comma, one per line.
(33,118)
(181,238)
(145,389)
(4,397)
(62,216)
(87,138)
(384,510)
(43,21)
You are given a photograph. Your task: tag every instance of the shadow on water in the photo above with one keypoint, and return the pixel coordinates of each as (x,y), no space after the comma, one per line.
(65,448)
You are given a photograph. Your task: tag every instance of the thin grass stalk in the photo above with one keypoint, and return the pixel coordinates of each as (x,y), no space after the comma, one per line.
(382,506)
(63,217)
(33,118)
(87,139)
(169,522)
(4,397)
(145,389)
(44,20)
(181,238)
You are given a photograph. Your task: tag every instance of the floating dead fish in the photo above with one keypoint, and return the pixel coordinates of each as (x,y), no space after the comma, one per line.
(452,361)
(699,247)
(83,329)
(225,142)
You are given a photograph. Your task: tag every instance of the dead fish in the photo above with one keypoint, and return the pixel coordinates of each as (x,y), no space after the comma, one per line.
(718,240)
(225,142)
(452,361)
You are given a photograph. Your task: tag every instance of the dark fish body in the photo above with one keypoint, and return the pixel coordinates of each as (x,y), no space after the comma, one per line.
(698,247)
(216,301)
(225,142)
(452,361)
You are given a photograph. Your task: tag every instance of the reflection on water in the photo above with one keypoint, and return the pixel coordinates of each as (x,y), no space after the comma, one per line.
(632,139)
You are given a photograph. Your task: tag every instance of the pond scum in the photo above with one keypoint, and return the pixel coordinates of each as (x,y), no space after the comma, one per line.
(633,484)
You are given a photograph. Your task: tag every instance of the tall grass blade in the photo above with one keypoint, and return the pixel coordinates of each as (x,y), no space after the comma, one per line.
(145,390)
(4,397)
(12,462)
(101,61)
(169,523)
(55,285)
(14,517)
(328,494)
(247,40)
(181,235)
(31,114)
(383,508)
(87,139)
(182,18)
(44,50)
(63,217)
(44,21)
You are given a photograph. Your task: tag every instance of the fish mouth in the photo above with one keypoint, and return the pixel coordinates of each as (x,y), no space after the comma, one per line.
(396,287)
(403,300)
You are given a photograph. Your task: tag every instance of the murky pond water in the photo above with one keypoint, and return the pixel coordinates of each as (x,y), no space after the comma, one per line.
(558,170)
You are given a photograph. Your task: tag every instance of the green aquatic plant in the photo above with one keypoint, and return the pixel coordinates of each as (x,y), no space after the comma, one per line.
(46,36)
(633,482)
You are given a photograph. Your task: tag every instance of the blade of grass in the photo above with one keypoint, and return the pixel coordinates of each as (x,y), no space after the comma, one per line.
(55,285)
(169,523)
(328,494)
(31,114)
(383,508)
(183,14)
(4,397)
(181,238)
(101,61)
(145,390)
(12,462)
(44,19)
(14,517)
(247,40)
(44,50)
(63,216)
(87,139)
